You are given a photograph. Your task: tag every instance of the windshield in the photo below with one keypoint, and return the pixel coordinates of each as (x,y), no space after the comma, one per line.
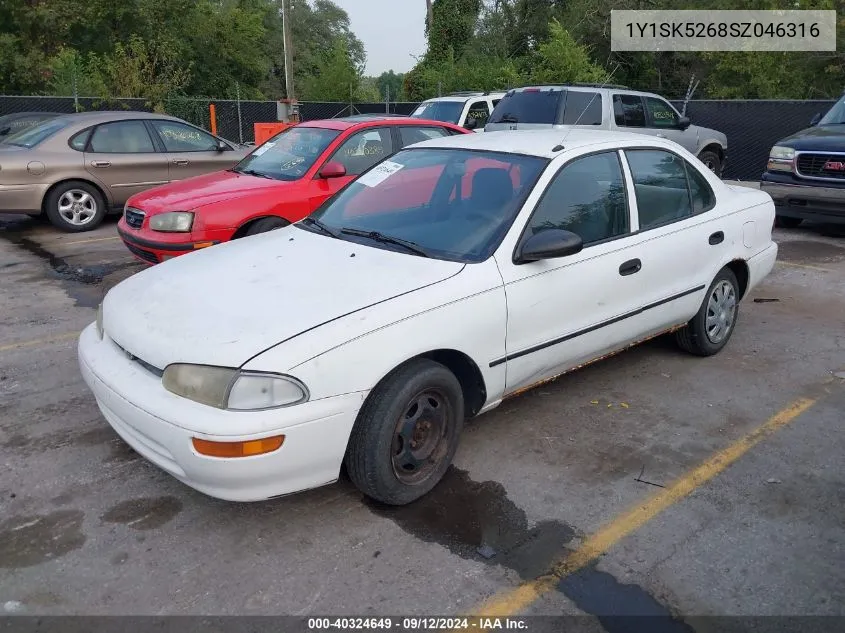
(289,154)
(836,115)
(452,204)
(32,136)
(446,111)
(528,106)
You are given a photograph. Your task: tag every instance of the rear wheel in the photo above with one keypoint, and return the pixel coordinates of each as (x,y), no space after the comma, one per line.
(711,329)
(265,224)
(75,206)
(407,433)
(787,223)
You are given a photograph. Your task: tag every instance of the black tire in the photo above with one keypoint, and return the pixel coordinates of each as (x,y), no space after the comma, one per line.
(712,161)
(784,222)
(264,225)
(694,337)
(93,207)
(377,451)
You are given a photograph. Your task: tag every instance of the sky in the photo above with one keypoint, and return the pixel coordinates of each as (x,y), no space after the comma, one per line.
(392,31)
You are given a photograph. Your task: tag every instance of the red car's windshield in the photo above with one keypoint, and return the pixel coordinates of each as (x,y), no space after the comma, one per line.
(288,155)
(452,204)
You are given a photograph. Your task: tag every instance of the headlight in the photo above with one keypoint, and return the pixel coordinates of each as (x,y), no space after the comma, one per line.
(780,158)
(227,388)
(100,321)
(172,222)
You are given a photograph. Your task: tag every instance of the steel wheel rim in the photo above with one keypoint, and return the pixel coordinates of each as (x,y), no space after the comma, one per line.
(420,438)
(77,207)
(721,312)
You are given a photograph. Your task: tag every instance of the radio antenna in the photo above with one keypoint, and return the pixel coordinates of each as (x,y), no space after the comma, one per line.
(605,83)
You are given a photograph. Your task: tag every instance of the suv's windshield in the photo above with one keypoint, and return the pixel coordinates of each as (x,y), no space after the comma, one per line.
(32,136)
(446,111)
(836,115)
(289,154)
(452,204)
(528,106)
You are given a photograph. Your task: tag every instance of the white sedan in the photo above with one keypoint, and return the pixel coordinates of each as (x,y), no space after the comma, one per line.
(459,272)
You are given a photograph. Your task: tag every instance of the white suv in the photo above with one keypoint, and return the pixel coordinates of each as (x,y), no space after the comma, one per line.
(467,109)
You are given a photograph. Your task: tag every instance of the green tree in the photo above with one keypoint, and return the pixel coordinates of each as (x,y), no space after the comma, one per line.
(391,84)
(561,59)
(336,77)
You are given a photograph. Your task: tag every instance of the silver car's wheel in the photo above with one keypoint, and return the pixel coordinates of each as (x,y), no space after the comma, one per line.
(77,207)
(721,312)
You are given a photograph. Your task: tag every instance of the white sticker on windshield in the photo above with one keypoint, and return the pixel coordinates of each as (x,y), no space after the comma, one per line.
(379,174)
(264,148)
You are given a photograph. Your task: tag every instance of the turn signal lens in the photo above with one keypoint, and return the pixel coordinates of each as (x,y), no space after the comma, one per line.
(238,449)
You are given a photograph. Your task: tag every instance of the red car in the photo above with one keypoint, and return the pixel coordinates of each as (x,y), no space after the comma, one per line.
(281,182)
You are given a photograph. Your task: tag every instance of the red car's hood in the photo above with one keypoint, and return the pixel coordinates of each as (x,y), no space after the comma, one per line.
(192,193)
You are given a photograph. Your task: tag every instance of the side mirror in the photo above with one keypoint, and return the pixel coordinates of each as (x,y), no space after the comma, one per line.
(221,146)
(549,244)
(684,123)
(815,120)
(471,124)
(332,170)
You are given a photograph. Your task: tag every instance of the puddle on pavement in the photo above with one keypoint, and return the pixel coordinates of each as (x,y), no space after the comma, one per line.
(79,282)
(619,608)
(464,516)
(810,251)
(146,513)
(31,540)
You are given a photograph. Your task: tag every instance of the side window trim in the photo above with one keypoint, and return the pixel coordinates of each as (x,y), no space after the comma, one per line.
(158,142)
(627,182)
(143,122)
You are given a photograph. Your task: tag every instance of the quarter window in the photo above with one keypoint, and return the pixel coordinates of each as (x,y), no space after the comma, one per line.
(80,140)
(660,182)
(661,113)
(702,195)
(582,108)
(178,137)
(586,197)
(122,137)
(363,150)
(628,111)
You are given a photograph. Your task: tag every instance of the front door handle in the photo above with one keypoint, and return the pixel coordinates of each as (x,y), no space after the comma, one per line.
(717,238)
(630,267)
(180,161)
(101,163)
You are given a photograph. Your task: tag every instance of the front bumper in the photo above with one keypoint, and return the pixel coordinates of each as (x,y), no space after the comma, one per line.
(159,425)
(808,202)
(153,252)
(22,198)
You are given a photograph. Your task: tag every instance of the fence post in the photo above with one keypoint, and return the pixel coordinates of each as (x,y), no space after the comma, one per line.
(240,119)
(212,115)
(75,92)
(387,100)
(439,88)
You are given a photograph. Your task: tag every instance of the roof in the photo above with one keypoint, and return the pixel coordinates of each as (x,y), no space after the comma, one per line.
(540,143)
(462,97)
(113,115)
(344,123)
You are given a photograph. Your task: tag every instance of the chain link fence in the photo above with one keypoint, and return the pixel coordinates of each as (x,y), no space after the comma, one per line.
(752,127)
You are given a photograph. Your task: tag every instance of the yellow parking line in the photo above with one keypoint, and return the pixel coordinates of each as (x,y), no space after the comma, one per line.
(807,266)
(39,341)
(94,239)
(516,600)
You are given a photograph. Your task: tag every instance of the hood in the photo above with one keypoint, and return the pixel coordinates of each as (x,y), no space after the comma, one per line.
(225,304)
(826,138)
(192,193)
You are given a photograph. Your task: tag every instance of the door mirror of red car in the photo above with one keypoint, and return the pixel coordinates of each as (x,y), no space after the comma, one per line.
(333,170)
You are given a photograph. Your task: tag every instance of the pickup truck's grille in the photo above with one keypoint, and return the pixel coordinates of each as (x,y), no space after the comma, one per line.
(822,165)
(134,217)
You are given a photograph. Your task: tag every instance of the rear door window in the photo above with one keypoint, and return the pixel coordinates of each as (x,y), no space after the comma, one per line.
(582,108)
(660,183)
(410,135)
(629,111)
(528,106)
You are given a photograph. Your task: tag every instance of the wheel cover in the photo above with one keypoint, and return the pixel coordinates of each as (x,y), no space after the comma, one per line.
(421,437)
(721,312)
(77,207)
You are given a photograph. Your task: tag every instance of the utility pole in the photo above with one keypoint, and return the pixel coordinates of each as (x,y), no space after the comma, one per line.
(430,13)
(288,45)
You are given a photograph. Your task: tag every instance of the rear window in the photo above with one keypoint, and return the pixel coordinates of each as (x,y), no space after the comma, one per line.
(32,136)
(528,107)
(582,108)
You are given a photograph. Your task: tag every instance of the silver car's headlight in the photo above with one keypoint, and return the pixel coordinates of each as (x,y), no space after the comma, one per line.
(100,329)
(172,222)
(227,388)
(780,158)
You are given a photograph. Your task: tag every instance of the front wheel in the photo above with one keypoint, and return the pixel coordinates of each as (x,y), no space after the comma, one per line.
(264,225)
(712,161)
(711,329)
(407,433)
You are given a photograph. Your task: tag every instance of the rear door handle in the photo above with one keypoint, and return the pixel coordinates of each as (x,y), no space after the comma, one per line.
(717,238)
(180,161)
(101,163)
(630,267)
